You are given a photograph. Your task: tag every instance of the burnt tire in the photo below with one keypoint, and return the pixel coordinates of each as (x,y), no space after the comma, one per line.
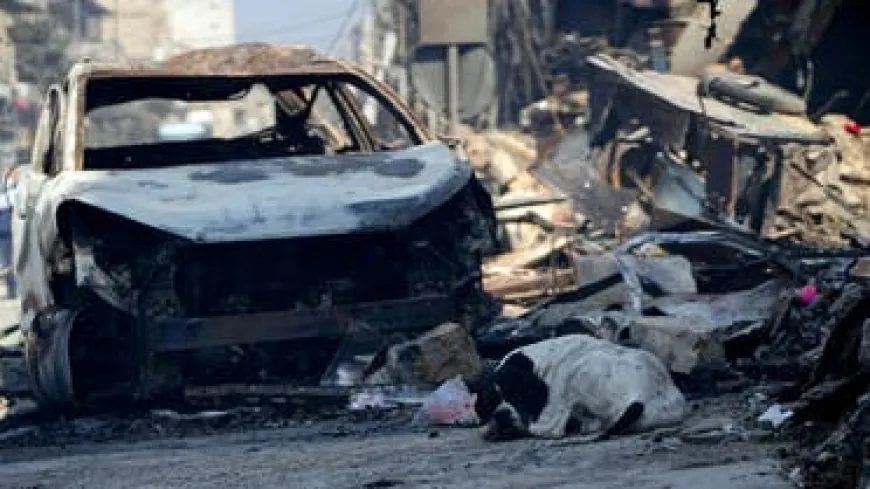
(751,90)
(46,355)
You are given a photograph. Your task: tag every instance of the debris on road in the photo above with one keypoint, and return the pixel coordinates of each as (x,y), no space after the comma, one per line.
(452,404)
(433,358)
(776,415)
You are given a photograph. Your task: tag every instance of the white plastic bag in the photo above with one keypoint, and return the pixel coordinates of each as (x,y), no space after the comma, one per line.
(452,404)
(776,415)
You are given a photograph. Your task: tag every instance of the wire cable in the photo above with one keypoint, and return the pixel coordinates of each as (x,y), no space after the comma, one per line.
(342,31)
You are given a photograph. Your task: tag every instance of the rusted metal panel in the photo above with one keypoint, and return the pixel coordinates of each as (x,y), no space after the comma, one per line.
(192,334)
(680,93)
(239,60)
(244,59)
(272,198)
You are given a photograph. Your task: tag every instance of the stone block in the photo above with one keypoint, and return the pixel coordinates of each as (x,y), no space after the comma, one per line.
(682,344)
(671,274)
(438,355)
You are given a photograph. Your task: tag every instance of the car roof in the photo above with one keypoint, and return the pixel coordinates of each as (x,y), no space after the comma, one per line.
(247,59)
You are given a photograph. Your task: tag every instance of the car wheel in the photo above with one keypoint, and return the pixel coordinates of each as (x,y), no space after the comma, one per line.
(46,354)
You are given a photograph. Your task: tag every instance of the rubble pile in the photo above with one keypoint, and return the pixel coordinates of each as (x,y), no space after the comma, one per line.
(714,160)
(538,222)
(826,187)
(826,409)
(678,228)
(796,323)
(568,52)
(754,279)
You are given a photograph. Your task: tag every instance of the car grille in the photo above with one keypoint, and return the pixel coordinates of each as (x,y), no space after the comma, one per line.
(260,276)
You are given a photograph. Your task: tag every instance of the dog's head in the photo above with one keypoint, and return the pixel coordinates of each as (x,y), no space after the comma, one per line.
(509,398)
(487,396)
(499,418)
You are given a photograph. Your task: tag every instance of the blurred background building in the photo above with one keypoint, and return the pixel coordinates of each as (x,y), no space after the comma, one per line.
(529,42)
(39,39)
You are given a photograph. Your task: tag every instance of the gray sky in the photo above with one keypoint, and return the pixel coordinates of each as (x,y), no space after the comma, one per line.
(314,22)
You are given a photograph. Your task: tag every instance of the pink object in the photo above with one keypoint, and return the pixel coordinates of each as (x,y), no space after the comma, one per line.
(852,127)
(808,294)
(20,104)
(451,405)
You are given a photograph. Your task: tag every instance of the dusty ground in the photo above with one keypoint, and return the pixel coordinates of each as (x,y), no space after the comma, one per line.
(251,451)
(270,448)
(284,459)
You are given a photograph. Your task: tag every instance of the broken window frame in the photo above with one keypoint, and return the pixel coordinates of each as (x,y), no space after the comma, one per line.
(410,129)
(358,126)
(357,139)
(49,140)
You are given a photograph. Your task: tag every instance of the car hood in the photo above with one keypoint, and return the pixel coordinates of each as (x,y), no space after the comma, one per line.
(277,197)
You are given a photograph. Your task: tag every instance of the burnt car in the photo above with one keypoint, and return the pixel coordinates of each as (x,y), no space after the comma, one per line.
(315,203)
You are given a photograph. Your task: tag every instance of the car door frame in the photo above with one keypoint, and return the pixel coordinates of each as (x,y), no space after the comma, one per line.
(47,156)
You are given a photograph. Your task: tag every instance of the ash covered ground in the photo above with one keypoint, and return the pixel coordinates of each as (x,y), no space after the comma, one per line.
(265,447)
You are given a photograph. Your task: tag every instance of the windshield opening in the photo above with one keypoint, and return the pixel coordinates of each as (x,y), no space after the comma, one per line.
(156,122)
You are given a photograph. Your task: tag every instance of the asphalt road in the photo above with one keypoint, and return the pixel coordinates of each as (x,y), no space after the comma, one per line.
(454,459)
(367,452)
(364,453)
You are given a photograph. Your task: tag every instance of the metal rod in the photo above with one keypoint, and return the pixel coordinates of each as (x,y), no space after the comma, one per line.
(453,88)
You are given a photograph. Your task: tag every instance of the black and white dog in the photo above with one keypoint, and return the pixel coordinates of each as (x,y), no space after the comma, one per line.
(590,384)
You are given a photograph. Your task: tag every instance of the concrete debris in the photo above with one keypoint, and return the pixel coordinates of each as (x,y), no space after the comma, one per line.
(690,225)
(436,356)
(662,275)
(684,344)
(725,309)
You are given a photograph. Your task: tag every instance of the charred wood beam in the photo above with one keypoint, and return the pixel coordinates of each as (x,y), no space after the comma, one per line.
(290,397)
(840,356)
(537,283)
(829,401)
(180,334)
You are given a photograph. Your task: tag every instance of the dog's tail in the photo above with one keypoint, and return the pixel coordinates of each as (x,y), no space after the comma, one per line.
(626,421)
